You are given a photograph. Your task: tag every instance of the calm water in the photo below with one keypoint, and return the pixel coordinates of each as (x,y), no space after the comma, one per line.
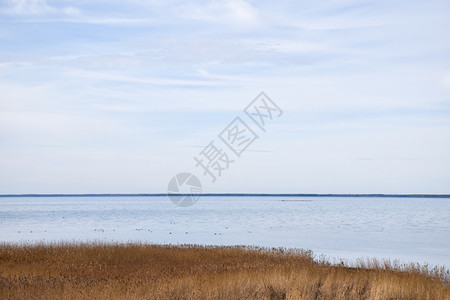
(408,229)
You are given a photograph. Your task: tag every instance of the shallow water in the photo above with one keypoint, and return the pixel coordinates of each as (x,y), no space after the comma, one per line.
(408,229)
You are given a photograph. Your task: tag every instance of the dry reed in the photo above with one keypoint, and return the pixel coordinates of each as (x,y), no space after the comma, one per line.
(142,271)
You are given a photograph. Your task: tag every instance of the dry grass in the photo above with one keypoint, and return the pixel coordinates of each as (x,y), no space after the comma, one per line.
(138,271)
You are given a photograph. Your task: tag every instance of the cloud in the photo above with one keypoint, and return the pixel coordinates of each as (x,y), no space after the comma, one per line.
(234,12)
(92,20)
(136,80)
(446,81)
(35,7)
(28,7)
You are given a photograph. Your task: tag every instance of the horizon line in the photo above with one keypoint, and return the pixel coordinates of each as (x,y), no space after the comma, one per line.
(374,195)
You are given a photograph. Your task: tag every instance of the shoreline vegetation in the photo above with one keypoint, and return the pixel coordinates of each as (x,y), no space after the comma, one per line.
(146,271)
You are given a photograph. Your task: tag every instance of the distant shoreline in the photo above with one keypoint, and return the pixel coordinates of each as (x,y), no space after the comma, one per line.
(235,195)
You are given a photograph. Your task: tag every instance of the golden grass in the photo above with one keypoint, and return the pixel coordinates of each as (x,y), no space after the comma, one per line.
(140,271)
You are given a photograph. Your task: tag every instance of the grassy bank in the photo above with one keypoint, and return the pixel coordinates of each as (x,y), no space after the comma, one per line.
(135,271)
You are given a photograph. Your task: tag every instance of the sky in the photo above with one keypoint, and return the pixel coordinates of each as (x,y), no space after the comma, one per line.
(121,96)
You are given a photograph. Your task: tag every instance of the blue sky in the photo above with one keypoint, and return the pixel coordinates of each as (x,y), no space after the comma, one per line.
(119,96)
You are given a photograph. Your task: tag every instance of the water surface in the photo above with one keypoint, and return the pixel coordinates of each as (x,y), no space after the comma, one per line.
(408,229)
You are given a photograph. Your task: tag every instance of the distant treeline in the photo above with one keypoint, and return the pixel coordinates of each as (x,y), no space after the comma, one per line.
(237,195)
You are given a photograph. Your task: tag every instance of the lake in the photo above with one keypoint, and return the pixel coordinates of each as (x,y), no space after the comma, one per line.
(407,229)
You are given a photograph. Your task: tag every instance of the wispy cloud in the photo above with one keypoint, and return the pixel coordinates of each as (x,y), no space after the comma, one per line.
(358,80)
(108,76)
(446,81)
(79,19)
(231,12)
(35,7)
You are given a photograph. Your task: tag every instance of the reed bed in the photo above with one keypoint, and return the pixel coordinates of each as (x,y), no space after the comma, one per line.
(143,271)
